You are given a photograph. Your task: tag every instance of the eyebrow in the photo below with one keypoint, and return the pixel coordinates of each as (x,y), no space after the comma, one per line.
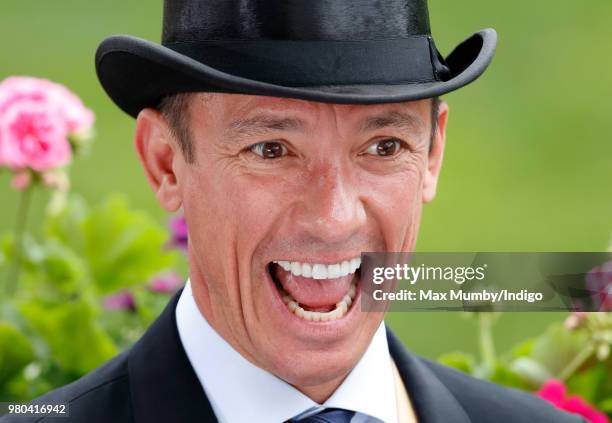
(395,119)
(262,124)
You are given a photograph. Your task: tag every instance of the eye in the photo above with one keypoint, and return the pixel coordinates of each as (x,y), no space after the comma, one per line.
(269,149)
(386,147)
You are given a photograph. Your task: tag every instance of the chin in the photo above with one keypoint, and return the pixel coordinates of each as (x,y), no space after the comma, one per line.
(307,368)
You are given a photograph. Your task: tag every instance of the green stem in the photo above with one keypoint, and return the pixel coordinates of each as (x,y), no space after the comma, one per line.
(22,213)
(577,361)
(487,348)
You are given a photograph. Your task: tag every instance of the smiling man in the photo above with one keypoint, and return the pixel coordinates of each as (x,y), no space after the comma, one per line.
(289,193)
(295,136)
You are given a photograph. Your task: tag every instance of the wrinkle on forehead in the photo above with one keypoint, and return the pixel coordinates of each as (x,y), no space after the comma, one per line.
(242,114)
(400,119)
(262,124)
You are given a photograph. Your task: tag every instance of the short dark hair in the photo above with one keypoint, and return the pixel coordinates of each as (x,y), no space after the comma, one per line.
(435,110)
(175,108)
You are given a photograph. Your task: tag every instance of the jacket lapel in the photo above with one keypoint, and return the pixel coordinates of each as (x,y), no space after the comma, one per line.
(432,401)
(163,385)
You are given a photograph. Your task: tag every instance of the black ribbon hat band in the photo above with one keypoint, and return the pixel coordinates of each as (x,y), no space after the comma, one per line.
(317,63)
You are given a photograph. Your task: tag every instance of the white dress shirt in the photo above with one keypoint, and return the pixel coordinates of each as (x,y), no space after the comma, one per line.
(239,391)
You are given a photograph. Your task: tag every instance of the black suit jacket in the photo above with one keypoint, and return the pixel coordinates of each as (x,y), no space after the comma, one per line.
(153,382)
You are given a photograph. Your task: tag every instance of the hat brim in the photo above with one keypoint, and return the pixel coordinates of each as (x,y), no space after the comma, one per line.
(137,74)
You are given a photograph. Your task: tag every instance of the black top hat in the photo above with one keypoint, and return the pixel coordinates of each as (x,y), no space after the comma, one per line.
(337,51)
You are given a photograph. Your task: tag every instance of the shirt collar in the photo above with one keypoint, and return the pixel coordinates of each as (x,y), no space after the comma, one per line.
(241,391)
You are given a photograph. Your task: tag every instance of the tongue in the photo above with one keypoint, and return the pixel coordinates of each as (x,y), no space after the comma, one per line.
(315,294)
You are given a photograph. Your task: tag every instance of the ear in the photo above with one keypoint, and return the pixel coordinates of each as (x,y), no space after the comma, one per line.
(157,152)
(436,154)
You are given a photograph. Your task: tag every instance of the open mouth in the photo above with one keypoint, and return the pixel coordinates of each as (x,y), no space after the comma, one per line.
(317,292)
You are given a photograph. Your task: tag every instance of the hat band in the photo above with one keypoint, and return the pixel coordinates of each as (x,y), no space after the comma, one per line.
(317,63)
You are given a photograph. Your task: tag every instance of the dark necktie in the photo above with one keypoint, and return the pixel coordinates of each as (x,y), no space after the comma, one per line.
(331,415)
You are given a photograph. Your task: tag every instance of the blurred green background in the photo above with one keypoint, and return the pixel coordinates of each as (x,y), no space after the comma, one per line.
(528,165)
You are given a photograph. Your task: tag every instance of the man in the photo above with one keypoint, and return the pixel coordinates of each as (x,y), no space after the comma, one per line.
(294,135)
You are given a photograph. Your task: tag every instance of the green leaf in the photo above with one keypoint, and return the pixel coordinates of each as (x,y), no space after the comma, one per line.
(121,247)
(150,304)
(605,405)
(530,370)
(76,341)
(66,225)
(524,349)
(588,383)
(557,347)
(54,271)
(458,360)
(15,352)
(505,376)
(124,327)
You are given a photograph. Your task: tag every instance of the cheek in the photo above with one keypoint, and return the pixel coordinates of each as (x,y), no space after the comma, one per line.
(235,211)
(258,206)
(208,238)
(395,203)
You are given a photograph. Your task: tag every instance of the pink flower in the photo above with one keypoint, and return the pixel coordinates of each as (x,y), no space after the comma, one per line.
(37,117)
(14,89)
(555,392)
(123,300)
(78,118)
(33,135)
(166,283)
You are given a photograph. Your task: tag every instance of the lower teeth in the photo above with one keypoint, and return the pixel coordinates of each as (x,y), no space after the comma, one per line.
(339,310)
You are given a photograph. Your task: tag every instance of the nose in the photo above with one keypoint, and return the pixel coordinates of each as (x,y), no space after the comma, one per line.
(332,209)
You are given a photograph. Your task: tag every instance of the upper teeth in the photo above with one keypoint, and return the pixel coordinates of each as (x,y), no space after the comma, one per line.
(321,271)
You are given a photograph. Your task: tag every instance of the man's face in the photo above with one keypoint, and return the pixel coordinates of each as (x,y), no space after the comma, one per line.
(282,197)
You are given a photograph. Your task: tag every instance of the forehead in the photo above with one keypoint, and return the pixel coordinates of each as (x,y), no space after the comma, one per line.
(230,110)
